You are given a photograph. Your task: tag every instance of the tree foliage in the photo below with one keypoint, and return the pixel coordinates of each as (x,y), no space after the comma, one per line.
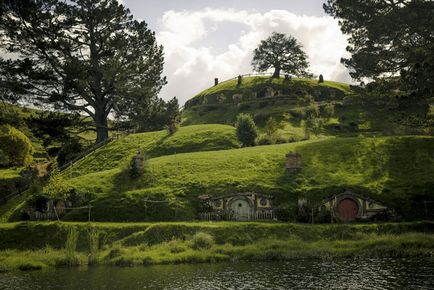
(53,127)
(272,128)
(388,38)
(281,52)
(153,114)
(86,56)
(246,130)
(15,147)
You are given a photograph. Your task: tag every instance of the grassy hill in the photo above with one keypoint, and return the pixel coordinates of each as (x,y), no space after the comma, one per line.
(354,114)
(394,170)
(206,158)
(118,153)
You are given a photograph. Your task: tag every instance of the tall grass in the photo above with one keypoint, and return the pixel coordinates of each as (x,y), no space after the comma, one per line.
(93,237)
(71,246)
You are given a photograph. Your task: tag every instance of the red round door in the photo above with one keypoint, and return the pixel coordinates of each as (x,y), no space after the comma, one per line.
(347,209)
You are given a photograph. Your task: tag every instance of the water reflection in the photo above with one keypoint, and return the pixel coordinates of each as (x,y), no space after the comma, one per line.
(301,274)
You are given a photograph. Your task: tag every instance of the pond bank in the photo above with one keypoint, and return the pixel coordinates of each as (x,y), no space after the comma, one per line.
(28,246)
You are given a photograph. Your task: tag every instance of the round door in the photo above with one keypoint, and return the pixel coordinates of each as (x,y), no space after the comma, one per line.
(347,209)
(241,209)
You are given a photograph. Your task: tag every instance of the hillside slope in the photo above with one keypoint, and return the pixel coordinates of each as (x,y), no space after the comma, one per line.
(394,170)
(354,114)
(153,144)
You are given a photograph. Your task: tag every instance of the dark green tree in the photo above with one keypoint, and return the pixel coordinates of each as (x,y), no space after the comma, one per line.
(281,52)
(87,56)
(149,115)
(246,130)
(54,127)
(388,38)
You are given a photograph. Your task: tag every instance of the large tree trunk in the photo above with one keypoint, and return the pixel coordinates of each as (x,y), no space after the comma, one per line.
(276,73)
(101,126)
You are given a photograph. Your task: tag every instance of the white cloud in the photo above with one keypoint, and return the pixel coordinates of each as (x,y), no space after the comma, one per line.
(192,64)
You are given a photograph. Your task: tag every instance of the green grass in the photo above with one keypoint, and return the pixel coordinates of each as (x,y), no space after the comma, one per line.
(394,170)
(162,243)
(354,113)
(153,144)
(251,82)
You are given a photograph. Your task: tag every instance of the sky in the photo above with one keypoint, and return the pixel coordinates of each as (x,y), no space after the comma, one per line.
(206,39)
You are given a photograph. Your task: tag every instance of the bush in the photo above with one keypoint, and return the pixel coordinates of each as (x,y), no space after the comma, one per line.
(202,240)
(246,130)
(280,140)
(175,246)
(264,140)
(261,118)
(16,146)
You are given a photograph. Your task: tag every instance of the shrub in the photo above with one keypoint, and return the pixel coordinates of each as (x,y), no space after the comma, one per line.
(272,127)
(16,146)
(138,165)
(202,240)
(293,139)
(280,140)
(264,140)
(246,130)
(175,246)
(261,118)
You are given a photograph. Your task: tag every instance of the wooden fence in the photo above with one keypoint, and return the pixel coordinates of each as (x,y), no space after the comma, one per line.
(230,216)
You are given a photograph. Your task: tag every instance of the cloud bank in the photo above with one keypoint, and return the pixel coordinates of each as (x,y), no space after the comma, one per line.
(201,45)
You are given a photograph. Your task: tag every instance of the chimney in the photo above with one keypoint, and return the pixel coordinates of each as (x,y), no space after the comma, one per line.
(216,81)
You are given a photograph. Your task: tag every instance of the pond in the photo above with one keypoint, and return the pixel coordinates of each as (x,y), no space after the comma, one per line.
(301,274)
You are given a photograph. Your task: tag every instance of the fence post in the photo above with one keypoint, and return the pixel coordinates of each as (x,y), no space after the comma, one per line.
(55,211)
(88,213)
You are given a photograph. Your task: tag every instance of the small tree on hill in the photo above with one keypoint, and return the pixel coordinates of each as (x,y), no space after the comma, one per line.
(281,52)
(246,130)
(272,127)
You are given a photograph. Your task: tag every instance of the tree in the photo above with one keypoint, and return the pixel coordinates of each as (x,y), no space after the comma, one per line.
(388,38)
(15,147)
(151,115)
(281,52)
(53,127)
(312,122)
(272,127)
(87,56)
(246,130)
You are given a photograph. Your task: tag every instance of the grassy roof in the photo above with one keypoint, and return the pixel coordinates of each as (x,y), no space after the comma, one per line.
(251,82)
